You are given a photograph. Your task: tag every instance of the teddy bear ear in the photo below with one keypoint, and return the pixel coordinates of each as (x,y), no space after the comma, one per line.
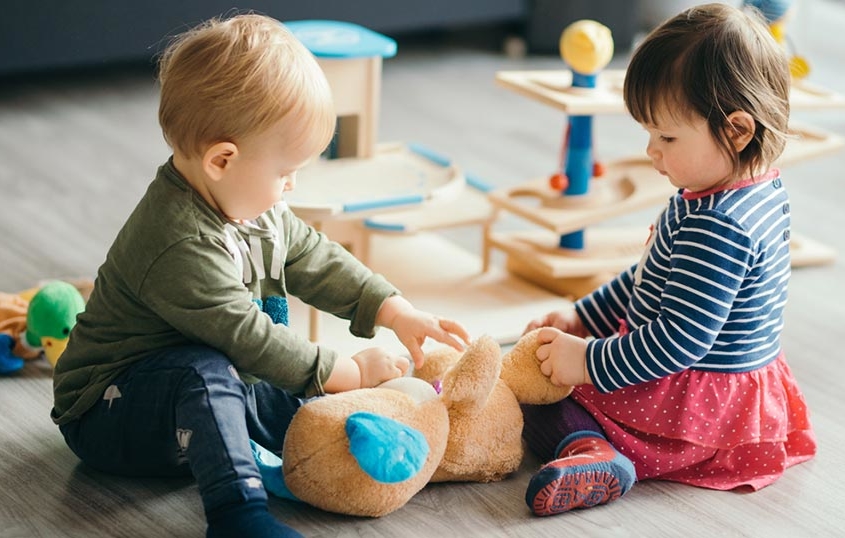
(387,450)
(470,382)
(521,372)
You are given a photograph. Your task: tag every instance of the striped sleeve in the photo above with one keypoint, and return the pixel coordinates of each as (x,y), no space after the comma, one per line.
(601,310)
(709,258)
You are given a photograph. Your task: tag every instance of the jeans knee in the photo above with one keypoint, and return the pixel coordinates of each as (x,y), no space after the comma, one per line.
(211,370)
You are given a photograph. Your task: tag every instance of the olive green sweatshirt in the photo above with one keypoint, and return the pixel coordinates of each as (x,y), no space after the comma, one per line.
(180,273)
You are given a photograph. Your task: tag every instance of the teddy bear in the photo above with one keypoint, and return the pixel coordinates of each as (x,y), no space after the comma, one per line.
(367,452)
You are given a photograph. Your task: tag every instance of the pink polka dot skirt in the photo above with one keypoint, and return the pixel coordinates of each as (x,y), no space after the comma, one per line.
(709,429)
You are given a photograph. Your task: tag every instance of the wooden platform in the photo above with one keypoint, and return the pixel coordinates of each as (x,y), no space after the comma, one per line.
(553,87)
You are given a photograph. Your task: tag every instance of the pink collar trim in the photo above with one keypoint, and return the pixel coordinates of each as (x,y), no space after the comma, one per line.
(771,175)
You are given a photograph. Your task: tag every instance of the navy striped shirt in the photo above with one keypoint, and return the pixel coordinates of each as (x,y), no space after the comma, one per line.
(708,294)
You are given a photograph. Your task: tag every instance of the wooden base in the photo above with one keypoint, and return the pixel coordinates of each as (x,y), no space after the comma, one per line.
(536,257)
(572,288)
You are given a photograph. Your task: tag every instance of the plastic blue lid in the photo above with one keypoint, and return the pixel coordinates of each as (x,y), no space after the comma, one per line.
(338,39)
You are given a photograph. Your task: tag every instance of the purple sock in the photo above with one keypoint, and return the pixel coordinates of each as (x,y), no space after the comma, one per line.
(547,425)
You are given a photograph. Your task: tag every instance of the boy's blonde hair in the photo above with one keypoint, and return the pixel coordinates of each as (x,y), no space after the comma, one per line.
(227,80)
(712,60)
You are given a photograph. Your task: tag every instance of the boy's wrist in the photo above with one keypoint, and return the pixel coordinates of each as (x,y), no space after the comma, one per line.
(346,375)
(390,309)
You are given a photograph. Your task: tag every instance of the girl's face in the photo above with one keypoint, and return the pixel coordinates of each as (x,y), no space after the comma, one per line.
(685,152)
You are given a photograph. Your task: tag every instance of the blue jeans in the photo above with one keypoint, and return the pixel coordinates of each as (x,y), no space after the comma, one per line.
(185,411)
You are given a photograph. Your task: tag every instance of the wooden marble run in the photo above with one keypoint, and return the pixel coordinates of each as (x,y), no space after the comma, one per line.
(562,255)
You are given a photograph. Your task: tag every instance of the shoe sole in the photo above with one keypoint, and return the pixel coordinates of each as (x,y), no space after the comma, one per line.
(576,490)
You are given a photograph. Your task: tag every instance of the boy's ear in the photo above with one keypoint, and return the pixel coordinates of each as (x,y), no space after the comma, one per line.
(218,158)
(740,129)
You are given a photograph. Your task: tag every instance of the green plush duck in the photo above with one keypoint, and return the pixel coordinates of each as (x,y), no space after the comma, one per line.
(50,317)
(37,321)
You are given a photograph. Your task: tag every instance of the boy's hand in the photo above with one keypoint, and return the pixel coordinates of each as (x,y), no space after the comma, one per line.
(367,368)
(563,357)
(413,326)
(377,366)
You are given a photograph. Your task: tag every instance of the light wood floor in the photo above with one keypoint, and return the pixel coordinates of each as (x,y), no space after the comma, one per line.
(76,152)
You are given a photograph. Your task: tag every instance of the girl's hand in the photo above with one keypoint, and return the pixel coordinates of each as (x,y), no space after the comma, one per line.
(413,326)
(563,357)
(567,321)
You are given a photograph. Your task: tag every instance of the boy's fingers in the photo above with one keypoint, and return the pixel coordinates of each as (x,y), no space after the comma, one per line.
(416,354)
(453,327)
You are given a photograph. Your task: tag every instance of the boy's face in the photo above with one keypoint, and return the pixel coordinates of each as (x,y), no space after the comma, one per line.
(263,170)
(685,152)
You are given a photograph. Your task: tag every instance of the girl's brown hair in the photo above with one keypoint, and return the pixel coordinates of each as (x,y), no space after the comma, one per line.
(227,80)
(712,60)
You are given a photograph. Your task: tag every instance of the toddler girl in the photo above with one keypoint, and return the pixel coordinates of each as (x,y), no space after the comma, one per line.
(685,378)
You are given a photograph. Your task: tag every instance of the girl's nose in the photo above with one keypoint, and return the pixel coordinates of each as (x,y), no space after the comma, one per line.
(650,150)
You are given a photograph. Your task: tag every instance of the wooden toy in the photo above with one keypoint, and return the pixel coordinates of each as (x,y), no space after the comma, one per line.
(351,58)
(575,197)
(363,188)
(570,266)
(403,189)
(587,47)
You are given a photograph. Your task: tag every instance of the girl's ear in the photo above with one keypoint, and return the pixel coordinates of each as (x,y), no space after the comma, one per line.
(740,129)
(218,158)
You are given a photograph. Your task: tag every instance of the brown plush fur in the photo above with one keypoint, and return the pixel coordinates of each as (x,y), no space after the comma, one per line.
(473,428)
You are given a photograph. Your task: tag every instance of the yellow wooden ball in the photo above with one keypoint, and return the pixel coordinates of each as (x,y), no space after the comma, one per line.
(586,46)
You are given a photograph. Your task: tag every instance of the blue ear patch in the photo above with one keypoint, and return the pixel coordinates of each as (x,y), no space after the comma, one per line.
(387,450)
(276,307)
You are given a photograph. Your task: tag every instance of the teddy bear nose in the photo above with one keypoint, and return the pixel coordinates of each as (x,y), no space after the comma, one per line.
(438,385)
